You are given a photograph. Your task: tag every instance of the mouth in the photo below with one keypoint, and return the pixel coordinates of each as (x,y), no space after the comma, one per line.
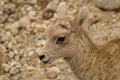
(47,61)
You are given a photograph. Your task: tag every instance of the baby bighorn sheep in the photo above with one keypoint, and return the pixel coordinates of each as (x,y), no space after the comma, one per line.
(66,38)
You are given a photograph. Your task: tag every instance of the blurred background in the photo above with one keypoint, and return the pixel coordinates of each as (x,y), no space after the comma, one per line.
(22,26)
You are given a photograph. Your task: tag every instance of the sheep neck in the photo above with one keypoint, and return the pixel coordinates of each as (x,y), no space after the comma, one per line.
(80,62)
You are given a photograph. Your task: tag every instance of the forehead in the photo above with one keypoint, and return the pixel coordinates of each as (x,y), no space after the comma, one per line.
(54,27)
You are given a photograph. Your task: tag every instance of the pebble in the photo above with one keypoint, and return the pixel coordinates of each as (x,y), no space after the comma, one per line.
(39,28)
(6,36)
(14,70)
(11,54)
(51,74)
(24,21)
(31,14)
(14,27)
(6,67)
(30,53)
(56,69)
(2,19)
(16,77)
(114,20)
(23,60)
(4,77)
(17,57)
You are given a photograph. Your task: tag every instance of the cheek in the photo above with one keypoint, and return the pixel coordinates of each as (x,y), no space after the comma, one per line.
(69,49)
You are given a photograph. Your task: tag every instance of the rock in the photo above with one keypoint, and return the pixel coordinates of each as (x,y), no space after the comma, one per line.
(14,63)
(7,11)
(6,36)
(30,53)
(50,9)
(108,4)
(51,74)
(11,54)
(43,3)
(54,68)
(24,21)
(2,19)
(14,27)
(34,75)
(4,77)
(18,1)
(6,67)
(17,57)
(32,14)
(23,60)
(39,28)
(14,70)
(16,77)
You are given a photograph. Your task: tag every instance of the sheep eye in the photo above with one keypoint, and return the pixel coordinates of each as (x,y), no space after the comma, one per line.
(63,25)
(60,40)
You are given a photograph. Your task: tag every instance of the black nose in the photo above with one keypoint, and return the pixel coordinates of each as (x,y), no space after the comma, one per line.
(41,57)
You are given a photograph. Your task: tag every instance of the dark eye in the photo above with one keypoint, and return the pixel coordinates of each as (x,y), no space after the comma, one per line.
(63,26)
(60,40)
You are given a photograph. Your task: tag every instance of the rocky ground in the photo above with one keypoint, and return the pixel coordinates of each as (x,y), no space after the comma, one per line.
(22,26)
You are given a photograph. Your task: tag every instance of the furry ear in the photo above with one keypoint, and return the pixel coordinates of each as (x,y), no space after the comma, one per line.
(80,17)
(62,9)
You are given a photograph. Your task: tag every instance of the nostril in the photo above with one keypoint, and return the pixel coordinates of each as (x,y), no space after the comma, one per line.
(41,57)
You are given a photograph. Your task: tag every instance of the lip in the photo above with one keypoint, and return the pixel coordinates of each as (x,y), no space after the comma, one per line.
(47,61)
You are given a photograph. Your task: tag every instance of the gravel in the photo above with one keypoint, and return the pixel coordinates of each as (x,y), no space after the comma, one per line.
(22,27)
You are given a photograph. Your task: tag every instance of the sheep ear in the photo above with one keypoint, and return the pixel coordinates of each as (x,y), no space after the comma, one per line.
(80,17)
(62,9)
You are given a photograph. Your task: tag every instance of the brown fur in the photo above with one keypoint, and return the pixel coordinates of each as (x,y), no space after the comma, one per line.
(88,62)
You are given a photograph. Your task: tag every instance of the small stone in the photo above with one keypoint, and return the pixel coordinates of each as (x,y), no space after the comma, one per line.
(18,1)
(23,68)
(114,20)
(14,63)
(114,16)
(4,77)
(2,19)
(7,11)
(30,68)
(56,69)
(24,21)
(14,70)
(51,74)
(24,61)
(29,8)
(11,55)
(6,67)
(34,75)
(14,27)
(103,24)
(10,45)
(6,36)
(39,28)
(17,57)
(31,53)
(31,14)
(16,77)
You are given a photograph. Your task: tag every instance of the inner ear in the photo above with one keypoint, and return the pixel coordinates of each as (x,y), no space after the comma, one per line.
(62,9)
(81,16)
(80,22)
